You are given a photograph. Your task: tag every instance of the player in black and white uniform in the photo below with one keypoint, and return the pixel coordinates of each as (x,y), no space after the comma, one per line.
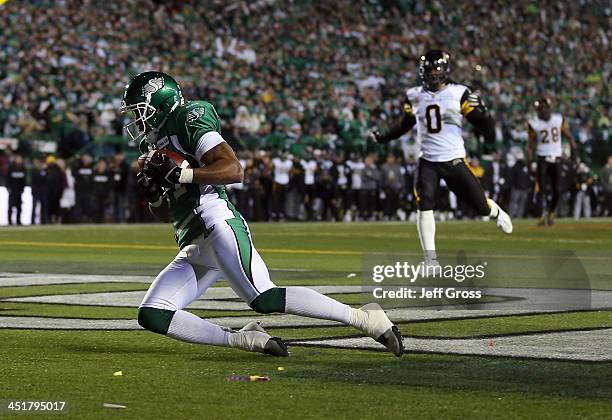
(545,139)
(438,109)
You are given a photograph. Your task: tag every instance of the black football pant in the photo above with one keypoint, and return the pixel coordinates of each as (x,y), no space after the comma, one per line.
(460,180)
(548,176)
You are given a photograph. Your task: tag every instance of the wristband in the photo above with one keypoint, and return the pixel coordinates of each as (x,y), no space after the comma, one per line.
(186,176)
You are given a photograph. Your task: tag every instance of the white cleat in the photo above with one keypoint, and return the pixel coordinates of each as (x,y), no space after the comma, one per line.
(376,324)
(254,326)
(253,337)
(504,222)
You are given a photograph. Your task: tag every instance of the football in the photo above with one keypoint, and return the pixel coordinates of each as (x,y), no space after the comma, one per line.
(154,157)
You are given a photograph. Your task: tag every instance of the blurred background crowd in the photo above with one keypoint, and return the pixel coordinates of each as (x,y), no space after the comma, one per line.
(298,81)
(324,185)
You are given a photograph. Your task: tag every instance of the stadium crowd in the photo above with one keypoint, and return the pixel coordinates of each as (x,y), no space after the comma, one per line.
(295,77)
(278,70)
(319,186)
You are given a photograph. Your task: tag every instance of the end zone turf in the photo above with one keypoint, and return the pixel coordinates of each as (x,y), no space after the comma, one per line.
(510,369)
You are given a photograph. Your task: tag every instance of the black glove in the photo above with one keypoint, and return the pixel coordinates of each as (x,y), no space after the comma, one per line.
(163,170)
(151,190)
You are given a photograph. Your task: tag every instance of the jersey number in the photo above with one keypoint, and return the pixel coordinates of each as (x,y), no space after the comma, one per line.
(434,122)
(554,133)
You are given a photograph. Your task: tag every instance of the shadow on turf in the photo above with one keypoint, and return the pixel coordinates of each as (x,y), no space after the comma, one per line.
(460,373)
(456,373)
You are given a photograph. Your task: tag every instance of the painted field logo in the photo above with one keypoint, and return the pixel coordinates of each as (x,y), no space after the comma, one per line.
(586,344)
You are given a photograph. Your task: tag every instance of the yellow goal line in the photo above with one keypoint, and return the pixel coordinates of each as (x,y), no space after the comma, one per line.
(272,250)
(165,247)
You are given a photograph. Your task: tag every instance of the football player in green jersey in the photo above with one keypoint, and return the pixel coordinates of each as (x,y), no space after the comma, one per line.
(213,238)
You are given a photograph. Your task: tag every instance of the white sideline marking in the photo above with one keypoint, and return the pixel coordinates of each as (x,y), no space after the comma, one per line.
(592,345)
(268,321)
(19,279)
(579,345)
(529,300)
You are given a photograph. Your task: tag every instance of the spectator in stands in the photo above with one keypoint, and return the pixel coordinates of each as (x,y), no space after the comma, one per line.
(282,167)
(606,184)
(57,182)
(101,188)
(83,185)
(290,76)
(409,201)
(356,203)
(370,188)
(69,72)
(309,170)
(120,172)
(68,198)
(40,191)
(15,185)
(520,187)
(264,180)
(5,161)
(295,194)
(341,175)
(567,187)
(584,190)
(326,192)
(392,185)
(138,211)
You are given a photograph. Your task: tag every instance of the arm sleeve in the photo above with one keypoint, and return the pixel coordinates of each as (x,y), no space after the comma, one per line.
(407,121)
(207,142)
(475,111)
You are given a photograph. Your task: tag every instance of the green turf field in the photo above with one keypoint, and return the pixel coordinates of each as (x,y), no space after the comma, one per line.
(506,365)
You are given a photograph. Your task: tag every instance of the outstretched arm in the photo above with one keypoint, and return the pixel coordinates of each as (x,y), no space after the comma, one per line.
(404,125)
(475,111)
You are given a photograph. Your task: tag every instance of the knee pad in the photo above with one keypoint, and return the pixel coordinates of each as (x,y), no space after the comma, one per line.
(155,320)
(272,300)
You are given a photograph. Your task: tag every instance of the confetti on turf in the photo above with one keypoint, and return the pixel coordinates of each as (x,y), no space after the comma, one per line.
(118,373)
(251,378)
(350,275)
(280,369)
(109,405)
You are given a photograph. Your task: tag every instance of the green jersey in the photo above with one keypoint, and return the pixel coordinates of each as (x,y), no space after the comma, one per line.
(191,131)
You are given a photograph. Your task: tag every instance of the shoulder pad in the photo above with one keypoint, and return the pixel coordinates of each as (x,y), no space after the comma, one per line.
(412,93)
